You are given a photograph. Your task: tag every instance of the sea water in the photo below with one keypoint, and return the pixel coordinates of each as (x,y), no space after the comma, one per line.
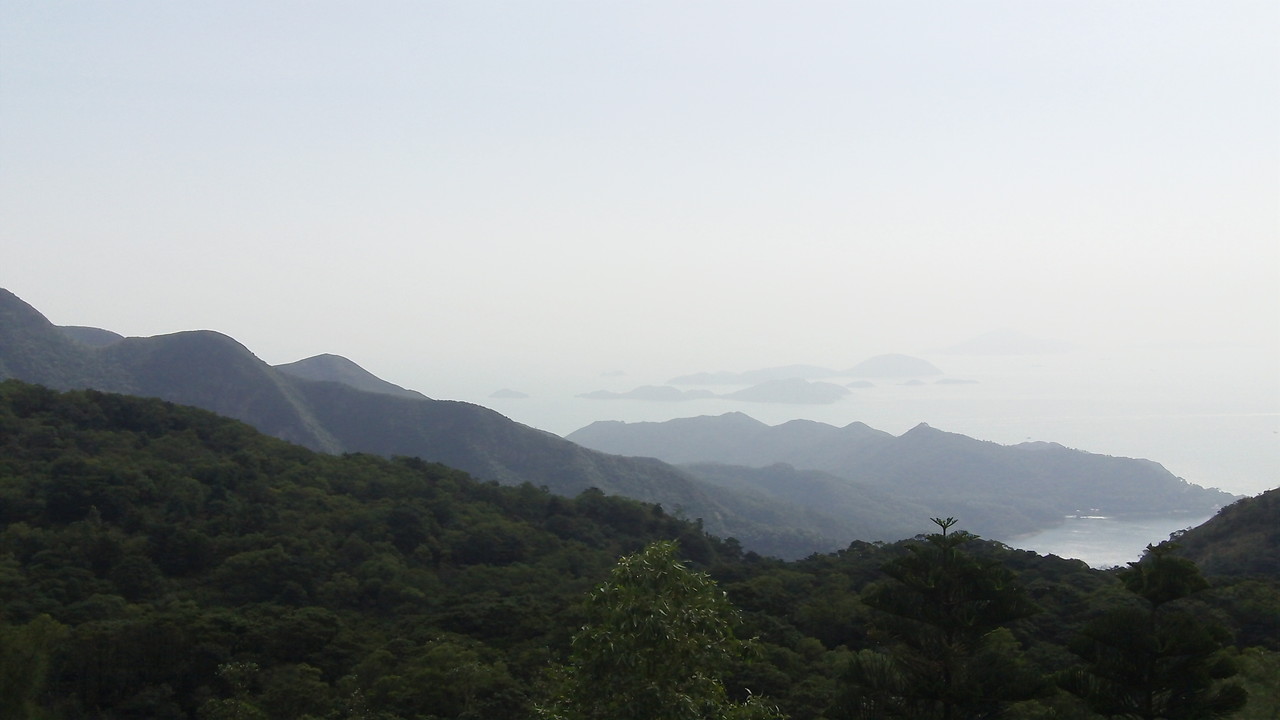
(1105,542)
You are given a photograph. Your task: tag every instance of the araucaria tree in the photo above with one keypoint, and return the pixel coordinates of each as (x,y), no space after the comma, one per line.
(942,650)
(1158,655)
(658,636)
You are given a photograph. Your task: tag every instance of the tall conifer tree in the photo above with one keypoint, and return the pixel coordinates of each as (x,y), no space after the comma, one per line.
(942,652)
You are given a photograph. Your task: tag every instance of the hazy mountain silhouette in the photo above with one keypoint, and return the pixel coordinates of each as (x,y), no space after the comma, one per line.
(1000,491)
(732,438)
(893,365)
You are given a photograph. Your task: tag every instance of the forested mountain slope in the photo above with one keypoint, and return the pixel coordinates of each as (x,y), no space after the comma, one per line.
(160,561)
(209,370)
(167,541)
(1241,540)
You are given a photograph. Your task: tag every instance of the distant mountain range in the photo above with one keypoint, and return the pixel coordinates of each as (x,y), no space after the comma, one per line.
(868,484)
(1000,491)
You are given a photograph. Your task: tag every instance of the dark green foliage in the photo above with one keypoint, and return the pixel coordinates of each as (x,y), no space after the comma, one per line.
(158,561)
(941,648)
(1156,656)
(170,542)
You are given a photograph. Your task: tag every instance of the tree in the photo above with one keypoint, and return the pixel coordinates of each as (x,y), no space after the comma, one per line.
(942,650)
(1156,656)
(659,635)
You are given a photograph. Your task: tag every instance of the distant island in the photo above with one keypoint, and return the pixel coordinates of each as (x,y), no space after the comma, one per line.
(893,365)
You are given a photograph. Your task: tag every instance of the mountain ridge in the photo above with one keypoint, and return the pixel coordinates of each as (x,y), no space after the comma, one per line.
(941,473)
(212,371)
(1001,491)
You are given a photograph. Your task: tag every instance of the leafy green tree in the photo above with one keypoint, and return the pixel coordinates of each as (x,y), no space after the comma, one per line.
(942,650)
(1158,656)
(659,635)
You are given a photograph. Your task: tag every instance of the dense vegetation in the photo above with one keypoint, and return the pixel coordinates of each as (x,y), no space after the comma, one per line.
(158,561)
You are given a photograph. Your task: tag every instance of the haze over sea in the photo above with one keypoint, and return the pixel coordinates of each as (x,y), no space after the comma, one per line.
(1175,406)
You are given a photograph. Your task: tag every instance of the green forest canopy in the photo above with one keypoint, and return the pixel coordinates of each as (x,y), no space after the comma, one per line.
(158,561)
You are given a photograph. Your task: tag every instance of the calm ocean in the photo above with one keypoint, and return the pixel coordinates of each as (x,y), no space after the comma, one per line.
(1105,542)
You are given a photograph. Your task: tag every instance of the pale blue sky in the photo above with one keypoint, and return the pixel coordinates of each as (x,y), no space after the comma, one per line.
(471,192)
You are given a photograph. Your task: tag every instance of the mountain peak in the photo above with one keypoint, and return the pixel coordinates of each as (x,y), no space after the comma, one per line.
(922,430)
(328,367)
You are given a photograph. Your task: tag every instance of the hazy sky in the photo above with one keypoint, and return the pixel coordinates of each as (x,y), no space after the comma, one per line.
(494,190)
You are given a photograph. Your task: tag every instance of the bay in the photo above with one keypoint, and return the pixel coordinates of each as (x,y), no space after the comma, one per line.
(1105,542)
